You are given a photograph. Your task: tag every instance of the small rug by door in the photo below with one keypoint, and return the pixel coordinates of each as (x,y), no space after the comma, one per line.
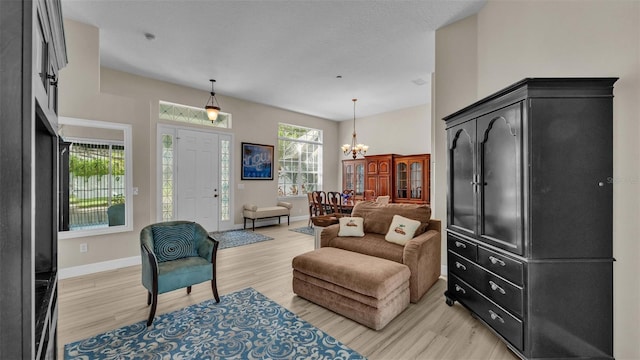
(304,230)
(233,238)
(244,325)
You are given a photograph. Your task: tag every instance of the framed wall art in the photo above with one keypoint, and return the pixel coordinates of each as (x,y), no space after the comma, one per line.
(257,162)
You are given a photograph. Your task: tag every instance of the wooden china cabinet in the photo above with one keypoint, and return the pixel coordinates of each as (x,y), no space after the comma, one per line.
(379,173)
(353,176)
(411,179)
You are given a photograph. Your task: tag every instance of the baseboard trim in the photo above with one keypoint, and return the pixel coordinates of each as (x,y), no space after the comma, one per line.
(98,267)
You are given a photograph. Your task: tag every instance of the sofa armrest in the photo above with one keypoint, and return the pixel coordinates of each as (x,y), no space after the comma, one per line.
(329,233)
(422,255)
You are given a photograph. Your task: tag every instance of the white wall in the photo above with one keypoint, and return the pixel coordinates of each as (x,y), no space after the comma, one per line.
(90,92)
(508,41)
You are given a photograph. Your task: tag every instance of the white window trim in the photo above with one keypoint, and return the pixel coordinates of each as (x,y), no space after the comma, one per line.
(128,159)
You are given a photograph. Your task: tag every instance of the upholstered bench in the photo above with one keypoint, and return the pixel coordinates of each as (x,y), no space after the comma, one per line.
(253,212)
(366,289)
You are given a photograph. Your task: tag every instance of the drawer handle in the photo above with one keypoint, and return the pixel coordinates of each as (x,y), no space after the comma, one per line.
(460,266)
(496,287)
(460,289)
(495,316)
(461,245)
(495,260)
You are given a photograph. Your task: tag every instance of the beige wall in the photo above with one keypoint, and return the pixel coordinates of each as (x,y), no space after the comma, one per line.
(90,92)
(405,131)
(514,40)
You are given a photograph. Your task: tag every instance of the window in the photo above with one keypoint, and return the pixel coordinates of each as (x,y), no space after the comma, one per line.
(299,160)
(95,177)
(192,115)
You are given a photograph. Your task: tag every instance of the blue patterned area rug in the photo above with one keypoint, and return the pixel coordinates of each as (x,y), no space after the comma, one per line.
(244,325)
(233,238)
(304,230)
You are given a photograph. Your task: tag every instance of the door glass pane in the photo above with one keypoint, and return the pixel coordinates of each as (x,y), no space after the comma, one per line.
(416,180)
(401,180)
(225,180)
(167,177)
(499,156)
(359,190)
(461,172)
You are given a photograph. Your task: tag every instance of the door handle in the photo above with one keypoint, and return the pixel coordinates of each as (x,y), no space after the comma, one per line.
(496,287)
(460,289)
(495,260)
(495,316)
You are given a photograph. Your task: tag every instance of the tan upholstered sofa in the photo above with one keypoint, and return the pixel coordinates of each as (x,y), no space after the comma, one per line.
(421,254)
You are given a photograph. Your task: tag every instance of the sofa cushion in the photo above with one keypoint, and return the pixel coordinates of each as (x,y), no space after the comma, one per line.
(378,217)
(370,244)
(401,230)
(351,226)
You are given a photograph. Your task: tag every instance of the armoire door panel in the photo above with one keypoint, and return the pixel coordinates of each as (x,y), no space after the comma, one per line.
(462,178)
(578,146)
(500,176)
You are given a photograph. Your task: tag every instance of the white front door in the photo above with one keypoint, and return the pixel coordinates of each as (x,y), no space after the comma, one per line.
(197,182)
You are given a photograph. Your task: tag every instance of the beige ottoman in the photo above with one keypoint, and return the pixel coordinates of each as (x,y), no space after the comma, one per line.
(366,289)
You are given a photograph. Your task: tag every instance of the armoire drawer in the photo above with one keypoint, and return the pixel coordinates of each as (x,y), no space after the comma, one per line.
(508,268)
(504,323)
(461,267)
(492,286)
(462,247)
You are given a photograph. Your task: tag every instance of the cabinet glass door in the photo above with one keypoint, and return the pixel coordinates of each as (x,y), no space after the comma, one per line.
(401,180)
(462,184)
(499,137)
(359,178)
(348,176)
(416,179)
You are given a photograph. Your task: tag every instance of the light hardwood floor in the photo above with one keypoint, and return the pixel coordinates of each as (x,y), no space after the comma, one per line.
(92,304)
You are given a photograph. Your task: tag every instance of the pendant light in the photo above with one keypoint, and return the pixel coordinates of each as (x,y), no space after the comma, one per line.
(354,149)
(214,108)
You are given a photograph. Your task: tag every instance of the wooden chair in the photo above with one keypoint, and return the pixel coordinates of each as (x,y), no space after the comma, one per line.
(311,208)
(175,255)
(334,199)
(319,203)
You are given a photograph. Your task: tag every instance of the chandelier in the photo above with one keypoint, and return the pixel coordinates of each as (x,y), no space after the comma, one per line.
(354,149)
(214,108)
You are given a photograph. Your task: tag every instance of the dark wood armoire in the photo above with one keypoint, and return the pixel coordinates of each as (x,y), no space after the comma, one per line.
(33,50)
(530,215)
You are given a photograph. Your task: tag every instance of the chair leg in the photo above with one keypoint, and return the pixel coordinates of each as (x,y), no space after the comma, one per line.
(188,289)
(148,298)
(214,288)
(154,305)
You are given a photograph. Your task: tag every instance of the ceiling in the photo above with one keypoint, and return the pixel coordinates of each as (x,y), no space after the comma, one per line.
(286,54)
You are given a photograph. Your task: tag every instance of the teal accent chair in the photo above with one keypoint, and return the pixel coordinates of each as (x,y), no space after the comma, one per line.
(163,276)
(115,214)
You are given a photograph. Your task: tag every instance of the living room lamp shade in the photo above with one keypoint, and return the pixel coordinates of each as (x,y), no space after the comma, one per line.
(214,108)
(355,148)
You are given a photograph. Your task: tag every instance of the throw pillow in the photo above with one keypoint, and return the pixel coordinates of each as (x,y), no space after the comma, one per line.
(173,242)
(401,230)
(351,226)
